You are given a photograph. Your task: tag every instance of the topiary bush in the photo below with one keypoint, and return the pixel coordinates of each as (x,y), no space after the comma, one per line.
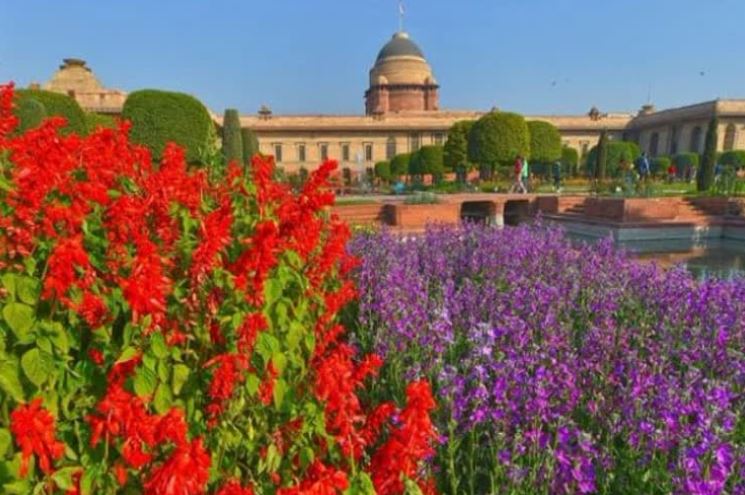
(660,164)
(684,160)
(545,142)
(617,151)
(496,139)
(159,117)
(58,105)
(400,164)
(733,158)
(95,120)
(30,112)
(250,145)
(455,151)
(232,140)
(570,160)
(383,171)
(705,176)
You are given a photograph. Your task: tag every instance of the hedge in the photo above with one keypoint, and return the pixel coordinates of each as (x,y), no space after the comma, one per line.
(616,152)
(660,165)
(545,142)
(684,160)
(569,160)
(232,140)
(428,160)
(734,158)
(497,138)
(30,113)
(95,120)
(57,104)
(250,145)
(383,170)
(161,116)
(400,164)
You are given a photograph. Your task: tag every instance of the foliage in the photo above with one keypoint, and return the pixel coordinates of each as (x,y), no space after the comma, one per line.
(400,164)
(616,153)
(250,145)
(570,160)
(733,158)
(30,112)
(660,164)
(455,151)
(705,178)
(232,139)
(545,142)
(422,198)
(428,160)
(383,171)
(160,117)
(95,120)
(59,105)
(561,367)
(496,139)
(172,330)
(683,161)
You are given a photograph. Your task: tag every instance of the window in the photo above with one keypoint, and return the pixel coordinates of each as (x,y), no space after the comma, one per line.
(324,151)
(730,136)
(695,139)
(301,152)
(368,152)
(654,143)
(345,152)
(438,138)
(413,142)
(278,152)
(390,148)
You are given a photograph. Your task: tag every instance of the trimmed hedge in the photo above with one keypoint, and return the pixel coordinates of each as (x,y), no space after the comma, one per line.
(161,116)
(616,151)
(569,160)
(684,160)
(455,151)
(59,105)
(250,145)
(660,165)
(400,164)
(232,140)
(545,142)
(95,120)
(733,158)
(30,112)
(497,138)
(383,170)
(428,160)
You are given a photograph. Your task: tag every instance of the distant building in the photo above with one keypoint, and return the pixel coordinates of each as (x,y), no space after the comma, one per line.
(402,113)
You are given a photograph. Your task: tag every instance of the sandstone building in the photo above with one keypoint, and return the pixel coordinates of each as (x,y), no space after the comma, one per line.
(402,113)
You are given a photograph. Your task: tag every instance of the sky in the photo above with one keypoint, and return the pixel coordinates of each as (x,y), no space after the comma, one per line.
(313,56)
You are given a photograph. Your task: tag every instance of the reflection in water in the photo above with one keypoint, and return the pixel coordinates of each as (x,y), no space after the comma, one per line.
(722,258)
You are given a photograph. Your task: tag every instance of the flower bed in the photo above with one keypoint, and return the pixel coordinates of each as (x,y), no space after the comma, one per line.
(173,331)
(560,369)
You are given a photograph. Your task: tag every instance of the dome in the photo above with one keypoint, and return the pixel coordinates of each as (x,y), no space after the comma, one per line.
(400,46)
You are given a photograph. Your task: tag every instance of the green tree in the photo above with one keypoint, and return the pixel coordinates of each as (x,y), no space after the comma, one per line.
(58,105)
(496,139)
(432,161)
(383,171)
(400,164)
(95,120)
(159,117)
(733,158)
(615,153)
(705,177)
(232,140)
(545,142)
(250,145)
(601,156)
(570,159)
(455,151)
(30,113)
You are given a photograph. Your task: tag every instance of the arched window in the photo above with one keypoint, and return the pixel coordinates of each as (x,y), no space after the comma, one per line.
(390,148)
(730,135)
(695,144)
(654,143)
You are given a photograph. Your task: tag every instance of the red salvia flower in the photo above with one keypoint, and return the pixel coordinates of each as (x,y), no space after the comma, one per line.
(32,427)
(186,472)
(234,488)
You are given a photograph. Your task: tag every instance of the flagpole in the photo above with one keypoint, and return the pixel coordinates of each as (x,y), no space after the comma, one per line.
(400,16)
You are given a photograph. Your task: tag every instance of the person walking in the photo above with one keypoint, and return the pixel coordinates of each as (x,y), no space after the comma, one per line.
(517,184)
(524,175)
(644,166)
(556,173)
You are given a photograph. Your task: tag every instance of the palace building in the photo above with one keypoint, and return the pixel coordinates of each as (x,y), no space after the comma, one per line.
(402,113)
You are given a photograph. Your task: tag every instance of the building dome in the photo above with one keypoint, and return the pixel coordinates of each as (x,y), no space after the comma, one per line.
(399,46)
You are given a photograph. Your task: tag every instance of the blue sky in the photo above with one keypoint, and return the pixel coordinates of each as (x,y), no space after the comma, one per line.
(313,56)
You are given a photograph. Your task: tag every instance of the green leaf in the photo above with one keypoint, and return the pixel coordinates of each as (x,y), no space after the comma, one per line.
(272,290)
(20,487)
(280,389)
(163,371)
(27,289)
(86,481)
(127,355)
(10,381)
(266,345)
(63,477)
(180,375)
(145,382)
(294,335)
(5,440)
(163,399)
(279,361)
(252,384)
(20,319)
(37,365)
(158,345)
(9,282)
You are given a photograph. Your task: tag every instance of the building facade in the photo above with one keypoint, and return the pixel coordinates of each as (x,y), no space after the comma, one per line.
(402,113)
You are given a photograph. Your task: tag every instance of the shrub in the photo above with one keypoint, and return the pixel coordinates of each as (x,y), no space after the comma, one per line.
(428,160)
(232,140)
(30,112)
(250,145)
(59,105)
(733,158)
(455,151)
(383,170)
(400,164)
(545,142)
(570,160)
(705,177)
(496,139)
(660,165)
(617,151)
(170,331)
(159,117)
(684,160)
(95,120)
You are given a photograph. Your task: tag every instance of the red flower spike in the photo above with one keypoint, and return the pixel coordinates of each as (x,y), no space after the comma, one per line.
(33,428)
